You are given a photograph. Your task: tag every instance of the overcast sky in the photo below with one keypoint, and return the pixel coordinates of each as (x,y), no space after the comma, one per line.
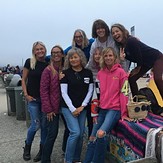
(53,22)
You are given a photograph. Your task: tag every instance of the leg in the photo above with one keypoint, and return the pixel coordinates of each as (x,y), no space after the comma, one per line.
(52,132)
(92,140)
(73,126)
(81,121)
(34,108)
(89,120)
(65,135)
(158,74)
(132,80)
(35,114)
(111,118)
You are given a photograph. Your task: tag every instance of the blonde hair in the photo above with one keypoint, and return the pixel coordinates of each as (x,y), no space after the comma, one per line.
(70,53)
(85,42)
(104,51)
(33,58)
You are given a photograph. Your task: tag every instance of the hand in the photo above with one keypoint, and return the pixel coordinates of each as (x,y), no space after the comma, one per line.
(135,71)
(122,54)
(61,75)
(78,111)
(30,98)
(50,116)
(127,119)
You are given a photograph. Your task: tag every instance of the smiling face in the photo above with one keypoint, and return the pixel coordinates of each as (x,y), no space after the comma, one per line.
(117,34)
(96,56)
(109,58)
(56,54)
(75,61)
(39,51)
(78,38)
(100,32)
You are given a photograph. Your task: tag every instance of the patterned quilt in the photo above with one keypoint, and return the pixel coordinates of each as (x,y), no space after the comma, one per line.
(128,139)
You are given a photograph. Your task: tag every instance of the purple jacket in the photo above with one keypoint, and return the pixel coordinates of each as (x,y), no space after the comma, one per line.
(50,91)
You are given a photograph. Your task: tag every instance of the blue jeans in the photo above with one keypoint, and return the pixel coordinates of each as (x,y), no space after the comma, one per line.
(34,108)
(52,131)
(76,126)
(96,150)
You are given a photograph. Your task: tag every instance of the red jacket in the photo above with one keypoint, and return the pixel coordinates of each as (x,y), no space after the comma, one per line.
(50,91)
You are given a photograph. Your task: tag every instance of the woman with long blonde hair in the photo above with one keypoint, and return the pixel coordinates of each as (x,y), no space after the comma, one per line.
(31,77)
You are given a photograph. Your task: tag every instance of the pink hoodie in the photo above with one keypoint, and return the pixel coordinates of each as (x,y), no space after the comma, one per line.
(113,89)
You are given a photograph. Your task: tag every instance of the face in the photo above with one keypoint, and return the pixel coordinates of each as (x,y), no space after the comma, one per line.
(109,59)
(56,54)
(39,51)
(78,38)
(97,56)
(117,34)
(75,60)
(100,32)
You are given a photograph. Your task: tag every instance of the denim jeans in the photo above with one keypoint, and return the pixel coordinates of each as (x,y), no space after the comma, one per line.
(52,131)
(34,108)
(76,126)
(96,150)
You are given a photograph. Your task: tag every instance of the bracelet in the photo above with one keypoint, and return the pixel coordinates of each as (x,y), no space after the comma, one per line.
(25,95)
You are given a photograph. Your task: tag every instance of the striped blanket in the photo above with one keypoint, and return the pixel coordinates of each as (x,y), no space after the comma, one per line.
(134,134)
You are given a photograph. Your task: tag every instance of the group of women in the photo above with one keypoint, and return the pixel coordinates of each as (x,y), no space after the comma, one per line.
(66,84)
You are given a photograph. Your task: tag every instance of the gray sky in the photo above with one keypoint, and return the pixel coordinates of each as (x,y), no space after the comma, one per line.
(53,22)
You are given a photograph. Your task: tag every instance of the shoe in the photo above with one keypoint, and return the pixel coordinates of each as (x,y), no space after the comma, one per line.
(27,152)
(38,156)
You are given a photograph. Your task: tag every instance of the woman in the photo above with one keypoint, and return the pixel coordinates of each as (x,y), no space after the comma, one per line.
(76,89)
(50,99)
(135,51)
(32,71)
(93,63)
(113,99)
(103,38)
(81,41)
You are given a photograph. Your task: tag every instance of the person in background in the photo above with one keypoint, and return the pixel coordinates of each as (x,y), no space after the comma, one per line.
(103,38)
(113,82)
(136,51)
(93,63)
(50,99)
(17,70)
(76,89)
(32,72)
(81,41)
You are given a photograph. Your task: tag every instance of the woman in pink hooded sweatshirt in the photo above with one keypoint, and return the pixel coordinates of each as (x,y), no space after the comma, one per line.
(113,82)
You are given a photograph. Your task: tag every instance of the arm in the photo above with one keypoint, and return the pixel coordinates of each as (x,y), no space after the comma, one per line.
(45,91)
(24,86)
(88,96)
(64,87)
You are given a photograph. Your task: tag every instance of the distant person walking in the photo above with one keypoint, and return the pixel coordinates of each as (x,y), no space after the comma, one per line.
(32,72)
(135,51)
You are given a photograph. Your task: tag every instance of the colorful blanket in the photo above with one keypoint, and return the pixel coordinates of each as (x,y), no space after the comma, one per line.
(134,134)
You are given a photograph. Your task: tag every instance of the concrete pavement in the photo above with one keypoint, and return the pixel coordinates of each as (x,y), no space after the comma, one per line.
(13,134)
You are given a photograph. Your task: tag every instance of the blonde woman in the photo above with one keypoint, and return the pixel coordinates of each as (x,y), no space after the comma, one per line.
(32,71)
(113,82)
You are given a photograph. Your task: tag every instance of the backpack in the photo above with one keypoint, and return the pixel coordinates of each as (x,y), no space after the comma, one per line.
(155,107)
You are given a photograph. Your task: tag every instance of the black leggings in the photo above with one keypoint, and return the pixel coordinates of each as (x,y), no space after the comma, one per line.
(158,76)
